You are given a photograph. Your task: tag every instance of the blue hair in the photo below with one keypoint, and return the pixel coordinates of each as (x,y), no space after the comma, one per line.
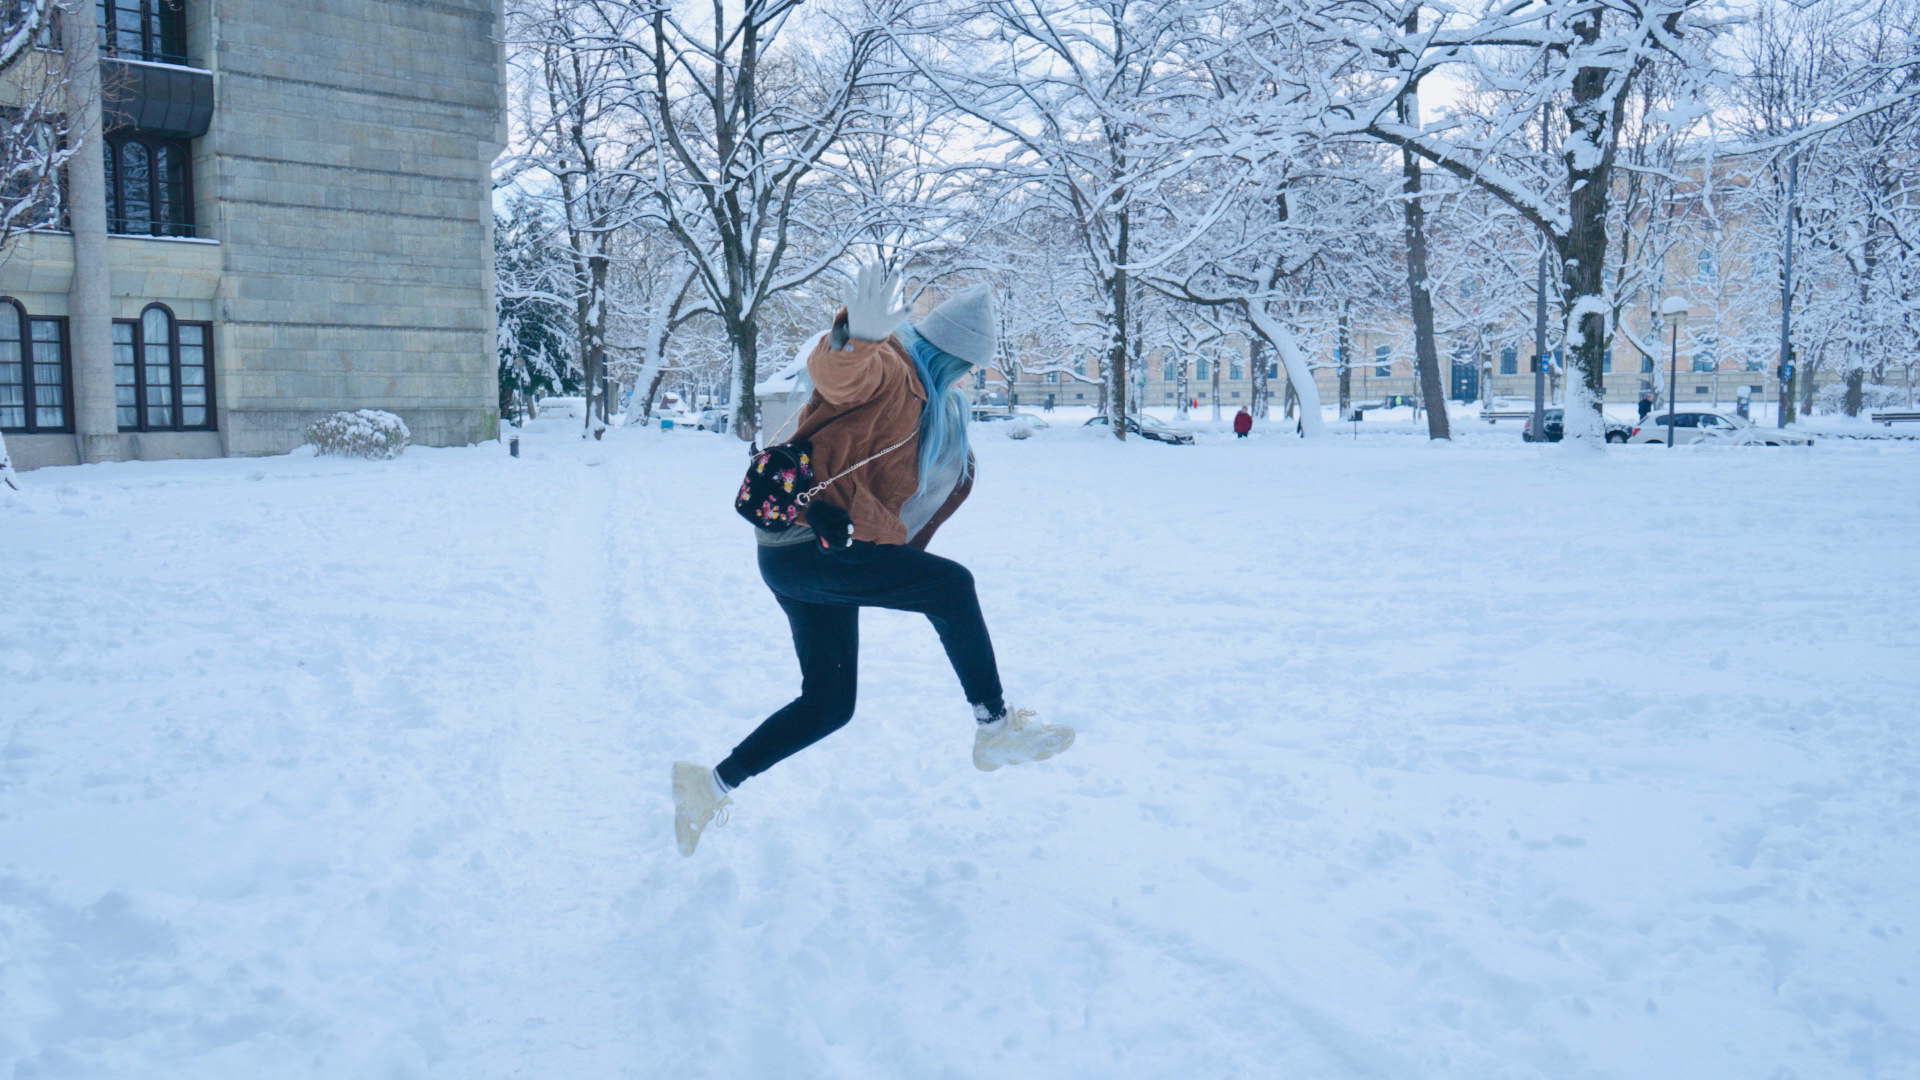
(943,423)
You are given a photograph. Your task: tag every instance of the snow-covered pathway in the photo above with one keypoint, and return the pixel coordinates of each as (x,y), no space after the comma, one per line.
(1396,760)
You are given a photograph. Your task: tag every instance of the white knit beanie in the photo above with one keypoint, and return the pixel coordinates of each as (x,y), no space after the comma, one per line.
(963,325)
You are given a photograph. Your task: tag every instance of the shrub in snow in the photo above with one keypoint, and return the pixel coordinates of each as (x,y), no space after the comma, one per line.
(1832,397)
(364,433)
(1019,428)
(7,482)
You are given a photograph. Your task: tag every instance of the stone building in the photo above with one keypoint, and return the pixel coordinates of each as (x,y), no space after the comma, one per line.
(274,211)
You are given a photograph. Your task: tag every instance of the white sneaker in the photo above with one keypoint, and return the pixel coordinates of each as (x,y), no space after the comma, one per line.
(695,800)
(1010,740)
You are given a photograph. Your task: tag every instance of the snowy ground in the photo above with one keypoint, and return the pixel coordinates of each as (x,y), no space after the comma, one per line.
(1397,760)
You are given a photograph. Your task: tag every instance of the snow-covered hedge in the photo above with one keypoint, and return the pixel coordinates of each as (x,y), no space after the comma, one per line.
(365,433)
(1832,397)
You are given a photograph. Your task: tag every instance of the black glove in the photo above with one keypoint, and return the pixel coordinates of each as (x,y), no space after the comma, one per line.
(830,524)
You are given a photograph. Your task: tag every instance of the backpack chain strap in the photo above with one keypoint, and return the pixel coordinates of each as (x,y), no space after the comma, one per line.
(806,496)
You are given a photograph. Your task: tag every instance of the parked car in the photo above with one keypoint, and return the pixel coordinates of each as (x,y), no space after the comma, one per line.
(1554,419)
(714,420)
(1150,428)
(983,412)
(1704,426)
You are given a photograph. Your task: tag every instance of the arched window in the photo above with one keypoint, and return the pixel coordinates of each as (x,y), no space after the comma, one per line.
(149,185)
(1509,360)
(35,376)
(163,372)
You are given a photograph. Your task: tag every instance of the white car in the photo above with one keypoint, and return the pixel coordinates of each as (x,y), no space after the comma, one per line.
(1704,426)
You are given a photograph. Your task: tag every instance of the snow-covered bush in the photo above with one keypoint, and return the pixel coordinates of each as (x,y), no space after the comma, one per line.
(7,482)
(1020,427)
(364,433)
(1832,397)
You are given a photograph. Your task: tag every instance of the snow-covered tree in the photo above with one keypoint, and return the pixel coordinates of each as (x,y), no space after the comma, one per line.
(1827,108)
(35,135)
(533,292)
(1104,113)
(1579,59)
(574,148)
(751,120)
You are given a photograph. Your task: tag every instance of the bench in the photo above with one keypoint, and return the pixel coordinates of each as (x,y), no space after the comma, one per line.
(1496,414)
(1892,418)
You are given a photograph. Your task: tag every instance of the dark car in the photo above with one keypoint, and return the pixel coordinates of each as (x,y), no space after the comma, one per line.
(1150,429)
(1553,419)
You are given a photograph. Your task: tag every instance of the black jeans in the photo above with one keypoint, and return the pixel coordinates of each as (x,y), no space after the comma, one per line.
(822,593)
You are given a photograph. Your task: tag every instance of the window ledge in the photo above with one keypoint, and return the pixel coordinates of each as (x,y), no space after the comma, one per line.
(161,64)
(164,239)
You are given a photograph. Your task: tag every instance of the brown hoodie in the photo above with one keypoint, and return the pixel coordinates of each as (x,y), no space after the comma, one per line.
(866,397)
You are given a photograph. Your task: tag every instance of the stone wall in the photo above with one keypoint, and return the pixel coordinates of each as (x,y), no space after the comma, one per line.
(350,171)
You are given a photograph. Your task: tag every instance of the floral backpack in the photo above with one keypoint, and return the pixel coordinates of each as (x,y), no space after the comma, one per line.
(780,483)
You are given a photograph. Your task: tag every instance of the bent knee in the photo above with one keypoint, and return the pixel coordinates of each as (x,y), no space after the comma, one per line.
(957,576)
(831,710)
(834,717)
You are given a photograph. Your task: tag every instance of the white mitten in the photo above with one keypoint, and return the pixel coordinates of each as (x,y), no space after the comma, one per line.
(871,315)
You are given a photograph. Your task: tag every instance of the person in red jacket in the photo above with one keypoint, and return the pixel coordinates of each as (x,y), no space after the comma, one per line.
(1242,422)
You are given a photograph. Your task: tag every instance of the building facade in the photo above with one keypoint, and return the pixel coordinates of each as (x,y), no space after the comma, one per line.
(274,211)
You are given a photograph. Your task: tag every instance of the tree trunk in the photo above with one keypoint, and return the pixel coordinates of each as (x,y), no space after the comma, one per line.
(1343,364)
(746,367)
(1257,355)
(1414,222)
(590,319)
(1116,381)
(1299,371)
(1593,136)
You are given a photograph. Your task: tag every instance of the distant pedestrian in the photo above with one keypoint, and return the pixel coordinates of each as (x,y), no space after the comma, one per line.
(1646,405)
(1242,422)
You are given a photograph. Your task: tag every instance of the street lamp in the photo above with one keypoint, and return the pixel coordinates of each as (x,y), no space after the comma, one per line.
(1674,310)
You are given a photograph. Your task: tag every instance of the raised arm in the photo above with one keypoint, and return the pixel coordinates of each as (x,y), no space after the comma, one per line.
(845,367)
(845,371)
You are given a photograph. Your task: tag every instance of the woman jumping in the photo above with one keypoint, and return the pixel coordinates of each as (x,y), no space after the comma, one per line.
(887,391)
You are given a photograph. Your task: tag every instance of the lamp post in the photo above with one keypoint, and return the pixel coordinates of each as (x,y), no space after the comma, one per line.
(1674,310)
